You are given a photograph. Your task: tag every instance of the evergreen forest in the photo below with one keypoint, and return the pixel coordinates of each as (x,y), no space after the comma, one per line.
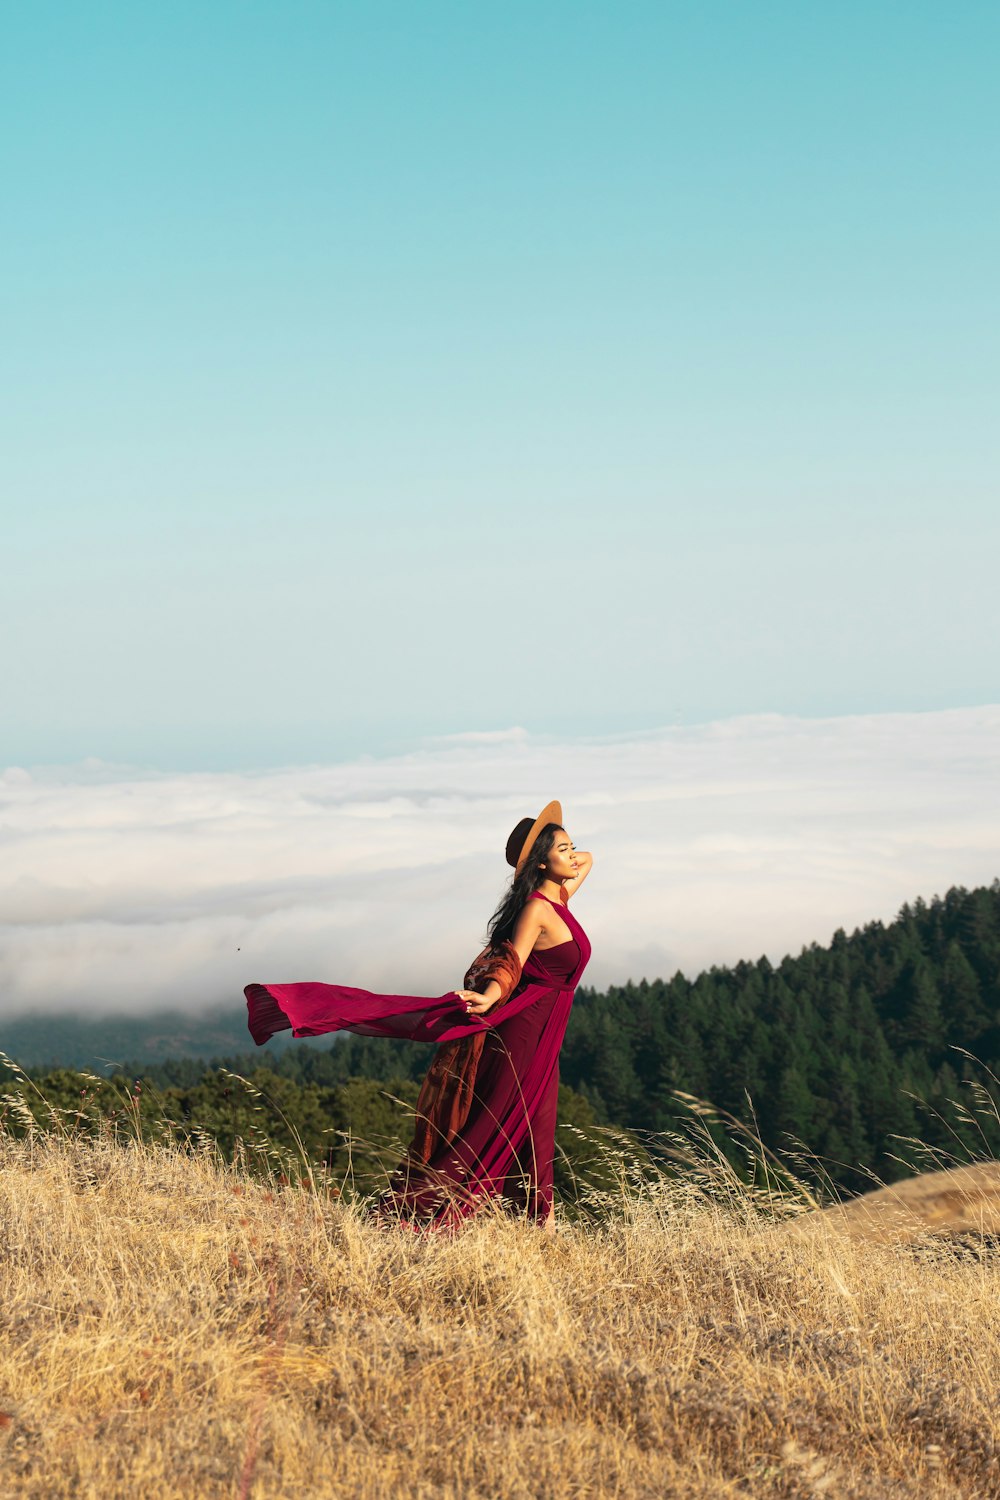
(841,1059)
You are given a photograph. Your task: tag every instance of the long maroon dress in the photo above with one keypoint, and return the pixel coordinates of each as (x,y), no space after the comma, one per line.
(505,1149)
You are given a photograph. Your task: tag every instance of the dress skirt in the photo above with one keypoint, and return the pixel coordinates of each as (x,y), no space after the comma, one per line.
(505,1150)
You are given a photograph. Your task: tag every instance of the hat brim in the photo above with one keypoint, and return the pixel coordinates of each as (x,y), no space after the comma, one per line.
(550,813)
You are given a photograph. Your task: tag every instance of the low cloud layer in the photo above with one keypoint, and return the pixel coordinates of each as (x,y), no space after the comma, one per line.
(125,891)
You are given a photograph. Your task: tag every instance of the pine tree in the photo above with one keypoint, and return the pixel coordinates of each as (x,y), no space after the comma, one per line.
(966,1016)
(923,1023)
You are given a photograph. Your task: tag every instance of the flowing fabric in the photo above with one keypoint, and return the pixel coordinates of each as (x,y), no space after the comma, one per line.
(505,1146)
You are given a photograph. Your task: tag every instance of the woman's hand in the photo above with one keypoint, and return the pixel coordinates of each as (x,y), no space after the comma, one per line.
(475,1003)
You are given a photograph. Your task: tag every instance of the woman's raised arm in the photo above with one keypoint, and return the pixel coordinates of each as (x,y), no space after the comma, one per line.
(584,862)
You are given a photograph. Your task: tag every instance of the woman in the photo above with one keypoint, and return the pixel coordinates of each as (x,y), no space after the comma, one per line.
(486,1114)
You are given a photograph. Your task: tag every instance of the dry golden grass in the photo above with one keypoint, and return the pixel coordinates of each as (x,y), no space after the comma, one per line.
(172,1327)
(958,1201)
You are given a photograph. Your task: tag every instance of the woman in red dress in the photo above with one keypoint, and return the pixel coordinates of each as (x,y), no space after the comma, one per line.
(486,1115)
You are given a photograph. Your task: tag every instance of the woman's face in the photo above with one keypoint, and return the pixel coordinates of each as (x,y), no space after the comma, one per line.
(561,861)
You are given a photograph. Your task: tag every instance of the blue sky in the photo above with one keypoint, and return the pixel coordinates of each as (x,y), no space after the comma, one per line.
(384,372)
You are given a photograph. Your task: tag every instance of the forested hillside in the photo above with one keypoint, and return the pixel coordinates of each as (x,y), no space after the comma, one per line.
(830,1045)
(849,1049)
(836,1047)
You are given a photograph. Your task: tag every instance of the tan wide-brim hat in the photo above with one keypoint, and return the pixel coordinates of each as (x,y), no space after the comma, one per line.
(524,835)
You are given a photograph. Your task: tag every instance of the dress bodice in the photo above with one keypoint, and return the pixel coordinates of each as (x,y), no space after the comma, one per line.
(563,964)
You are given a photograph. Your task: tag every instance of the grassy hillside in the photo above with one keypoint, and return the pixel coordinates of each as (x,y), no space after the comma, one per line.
(173,1327)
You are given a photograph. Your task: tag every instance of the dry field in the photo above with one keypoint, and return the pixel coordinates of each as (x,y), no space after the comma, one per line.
(172,1327)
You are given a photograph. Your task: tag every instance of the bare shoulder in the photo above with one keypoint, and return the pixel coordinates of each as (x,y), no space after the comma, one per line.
(530,922)
(531,917)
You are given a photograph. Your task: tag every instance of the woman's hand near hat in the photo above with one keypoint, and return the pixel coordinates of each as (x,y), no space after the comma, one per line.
(477,1004)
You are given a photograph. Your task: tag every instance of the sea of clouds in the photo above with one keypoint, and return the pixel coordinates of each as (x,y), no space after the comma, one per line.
(126,890)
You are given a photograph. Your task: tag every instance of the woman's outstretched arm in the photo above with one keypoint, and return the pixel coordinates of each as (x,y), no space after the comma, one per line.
(529,925)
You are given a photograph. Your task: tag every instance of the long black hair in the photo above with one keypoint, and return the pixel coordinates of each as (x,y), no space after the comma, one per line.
(503,921)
